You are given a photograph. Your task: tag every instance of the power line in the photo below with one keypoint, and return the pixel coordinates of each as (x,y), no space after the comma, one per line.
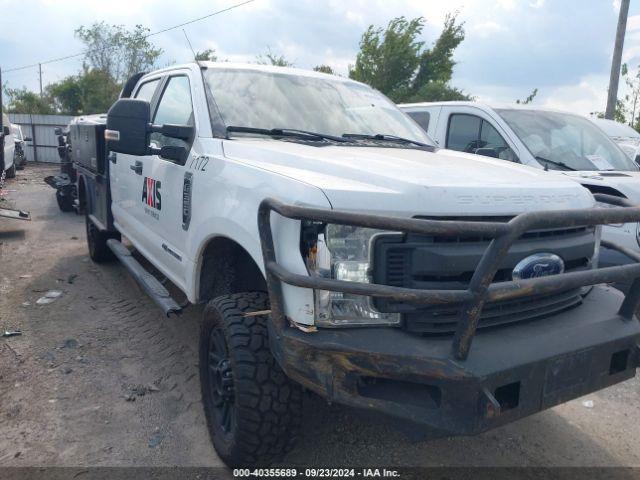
(75,55)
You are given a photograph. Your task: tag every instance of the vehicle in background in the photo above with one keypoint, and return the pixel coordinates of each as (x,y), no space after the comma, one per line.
(337,250)
(562,143)
(7,167)
(627,138)
(20,155)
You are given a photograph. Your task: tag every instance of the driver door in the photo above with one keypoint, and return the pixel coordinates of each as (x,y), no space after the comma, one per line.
(469,130)
(153,196)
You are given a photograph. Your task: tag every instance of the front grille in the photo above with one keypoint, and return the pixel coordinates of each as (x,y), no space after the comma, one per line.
(444,320)
(441,263)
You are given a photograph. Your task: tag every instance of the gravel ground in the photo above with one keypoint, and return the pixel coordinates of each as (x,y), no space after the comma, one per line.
(100,378)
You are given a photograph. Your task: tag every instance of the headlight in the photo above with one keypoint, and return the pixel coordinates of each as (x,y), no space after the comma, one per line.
(343,253)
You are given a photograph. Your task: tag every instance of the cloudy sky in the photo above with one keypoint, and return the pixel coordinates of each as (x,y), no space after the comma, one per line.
(561,47)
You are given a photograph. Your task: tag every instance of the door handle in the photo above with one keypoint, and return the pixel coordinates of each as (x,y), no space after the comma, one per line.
(137,167)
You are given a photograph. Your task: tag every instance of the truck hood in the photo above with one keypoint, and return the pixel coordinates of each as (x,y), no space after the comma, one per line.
(412,181)
(627,183)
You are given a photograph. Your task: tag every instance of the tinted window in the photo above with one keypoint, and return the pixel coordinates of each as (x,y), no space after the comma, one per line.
(175,108)
(146,90)
(421,118)
(468,133)
(464,132)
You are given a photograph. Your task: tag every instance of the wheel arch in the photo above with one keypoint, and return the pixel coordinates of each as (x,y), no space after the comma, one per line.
(226,267)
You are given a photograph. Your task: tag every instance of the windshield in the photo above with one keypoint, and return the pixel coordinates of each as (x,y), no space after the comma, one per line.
(274,100)
(563,141)
(616,129)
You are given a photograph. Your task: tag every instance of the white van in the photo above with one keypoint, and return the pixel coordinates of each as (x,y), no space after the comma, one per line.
(8,167)
(560,142)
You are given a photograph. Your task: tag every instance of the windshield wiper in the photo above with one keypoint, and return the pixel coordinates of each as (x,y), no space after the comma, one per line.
(287,132)
(553,162)
(386,138)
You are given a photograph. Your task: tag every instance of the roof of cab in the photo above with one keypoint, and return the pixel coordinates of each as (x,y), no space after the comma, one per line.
(255,67)
(485,106)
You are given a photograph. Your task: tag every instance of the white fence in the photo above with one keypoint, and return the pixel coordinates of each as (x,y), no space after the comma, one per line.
(44,143)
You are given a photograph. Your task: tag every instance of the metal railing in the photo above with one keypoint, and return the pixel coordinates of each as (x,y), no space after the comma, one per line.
(480,289)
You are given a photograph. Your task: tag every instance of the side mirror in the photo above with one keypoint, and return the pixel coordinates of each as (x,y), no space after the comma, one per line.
(487,152)
(128,127)
(6,131)
(28,139)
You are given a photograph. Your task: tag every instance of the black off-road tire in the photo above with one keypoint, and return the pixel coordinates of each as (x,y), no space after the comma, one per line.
(240,376)
(97,242)
(11,172)
(65,202)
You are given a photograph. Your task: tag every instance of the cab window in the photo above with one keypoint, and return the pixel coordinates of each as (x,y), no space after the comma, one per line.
(472,134)
(146,90)
(421,118)
(175,107)
(463,133)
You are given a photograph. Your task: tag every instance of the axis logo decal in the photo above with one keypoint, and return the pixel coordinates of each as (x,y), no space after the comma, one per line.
(151,193)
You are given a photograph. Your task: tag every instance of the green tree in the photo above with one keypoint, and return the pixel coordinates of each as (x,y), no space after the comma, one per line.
(529,98)
(394,61)
(92,91)
(21,100)
(208,55)
(324,69)
(436,64)
(98,91)
(117,51)
(270,58)
(66,95)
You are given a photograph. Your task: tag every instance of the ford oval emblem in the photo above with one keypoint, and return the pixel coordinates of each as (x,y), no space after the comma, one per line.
(538,265)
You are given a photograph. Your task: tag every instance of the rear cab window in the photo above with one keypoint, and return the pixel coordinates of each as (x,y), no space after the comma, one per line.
(421,118)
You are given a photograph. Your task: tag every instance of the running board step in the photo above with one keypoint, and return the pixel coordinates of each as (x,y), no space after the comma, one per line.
(15,214)
(146,280)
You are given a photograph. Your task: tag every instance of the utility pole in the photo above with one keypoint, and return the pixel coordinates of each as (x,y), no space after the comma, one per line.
(40,75)
(614,79)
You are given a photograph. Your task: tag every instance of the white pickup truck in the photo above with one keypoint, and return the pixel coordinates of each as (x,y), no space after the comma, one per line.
(562,143)
(339,251)
(7,166)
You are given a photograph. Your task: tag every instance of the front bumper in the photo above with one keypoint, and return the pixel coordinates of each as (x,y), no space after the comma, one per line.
(510,373)
(439,381)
